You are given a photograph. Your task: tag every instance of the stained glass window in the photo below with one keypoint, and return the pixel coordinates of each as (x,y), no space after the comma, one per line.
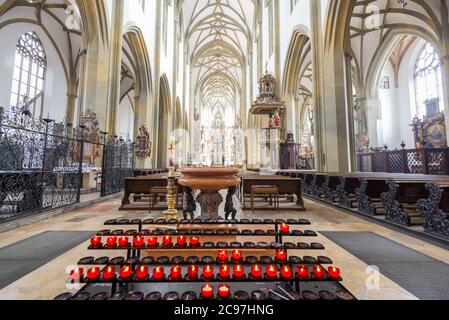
(428,83)
(30,66)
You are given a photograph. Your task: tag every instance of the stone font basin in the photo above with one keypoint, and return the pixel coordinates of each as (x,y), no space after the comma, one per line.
(209,179)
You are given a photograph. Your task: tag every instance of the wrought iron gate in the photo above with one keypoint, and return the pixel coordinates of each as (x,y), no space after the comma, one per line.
(118,164)
(41,164)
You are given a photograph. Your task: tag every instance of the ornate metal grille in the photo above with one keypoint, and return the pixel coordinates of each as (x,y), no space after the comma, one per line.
(118,164)
(41,164)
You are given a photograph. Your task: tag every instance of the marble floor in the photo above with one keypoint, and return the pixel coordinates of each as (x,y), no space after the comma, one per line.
(49,280)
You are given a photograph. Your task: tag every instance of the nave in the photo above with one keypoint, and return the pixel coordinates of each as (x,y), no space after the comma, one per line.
(43,273)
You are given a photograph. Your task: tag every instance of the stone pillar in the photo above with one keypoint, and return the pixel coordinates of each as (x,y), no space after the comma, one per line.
(350,139)
(115,59)
(334,114)
(156,82)
(445,60)
(317,83)
(93,86)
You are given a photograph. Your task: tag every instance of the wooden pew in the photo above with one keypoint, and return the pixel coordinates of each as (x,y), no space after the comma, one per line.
(435,209)
(330,186)
(369,195)
(306,177)
(347,189)
(317,184)
(405,190)
(400,201)
(287,186)
(140,187)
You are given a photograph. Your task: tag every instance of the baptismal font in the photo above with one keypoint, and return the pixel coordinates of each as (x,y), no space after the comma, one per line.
(210,181)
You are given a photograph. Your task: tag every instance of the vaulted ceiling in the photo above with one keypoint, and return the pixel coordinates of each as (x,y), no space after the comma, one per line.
(219,34)
(377,26)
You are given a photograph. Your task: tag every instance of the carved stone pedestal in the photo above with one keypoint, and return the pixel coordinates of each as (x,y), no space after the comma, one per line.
(210,181)
(209,202)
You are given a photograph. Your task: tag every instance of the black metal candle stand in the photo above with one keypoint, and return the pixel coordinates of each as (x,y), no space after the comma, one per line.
(200,261)
(192,291)
(133,287)
(149,222)
(222,233)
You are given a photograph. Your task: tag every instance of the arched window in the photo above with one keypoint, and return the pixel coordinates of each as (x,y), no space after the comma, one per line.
(30,66)
(428,83)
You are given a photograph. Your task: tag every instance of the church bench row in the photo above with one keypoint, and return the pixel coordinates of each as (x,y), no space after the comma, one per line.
(406,199)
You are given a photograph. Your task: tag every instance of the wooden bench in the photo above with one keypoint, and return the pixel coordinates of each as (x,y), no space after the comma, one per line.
(287,186)
(332,181)
(317,186)
(435,209)
(400,201)
(369,195)
(346,191)
(271,192)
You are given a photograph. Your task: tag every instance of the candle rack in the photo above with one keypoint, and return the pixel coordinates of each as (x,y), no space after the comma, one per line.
(152,274)
(293,260)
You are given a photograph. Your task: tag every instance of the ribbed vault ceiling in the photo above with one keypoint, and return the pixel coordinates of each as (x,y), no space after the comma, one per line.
(219,34)
(374,22)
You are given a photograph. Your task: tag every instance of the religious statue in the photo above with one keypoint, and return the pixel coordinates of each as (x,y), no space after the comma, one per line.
(275,120)
(143,144)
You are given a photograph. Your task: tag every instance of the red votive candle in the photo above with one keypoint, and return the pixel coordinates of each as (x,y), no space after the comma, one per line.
(224,291)
(334,273)
(222,255)
(111,241)
(256,271)
(285,228)
(108,273)
(175,273)
(272,272)
(207,291)
(286,272)
(318,272)
(142,273)
(182,241)
(167,241)
(302,272)
(126,272)
(225,272)
(281,255)
(76,274)
(95,242)
(93,273)
(237,255)
(208,272)
(152,241)
(239,271)
(123,241)
(139,241)
(194,241)
(192,272)
(158,273)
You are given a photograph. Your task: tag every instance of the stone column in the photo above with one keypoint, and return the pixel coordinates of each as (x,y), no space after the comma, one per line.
(115,59)
(445,60)
(334,126)
(317,83)
(156,81)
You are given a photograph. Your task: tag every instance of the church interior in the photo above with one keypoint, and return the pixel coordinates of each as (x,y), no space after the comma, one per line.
(224,150)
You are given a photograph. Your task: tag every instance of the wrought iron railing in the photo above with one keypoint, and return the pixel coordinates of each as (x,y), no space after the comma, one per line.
(42,163)
(433,161)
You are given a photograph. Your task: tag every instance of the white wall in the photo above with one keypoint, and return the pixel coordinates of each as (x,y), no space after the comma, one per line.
(126,117)
(398,104)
